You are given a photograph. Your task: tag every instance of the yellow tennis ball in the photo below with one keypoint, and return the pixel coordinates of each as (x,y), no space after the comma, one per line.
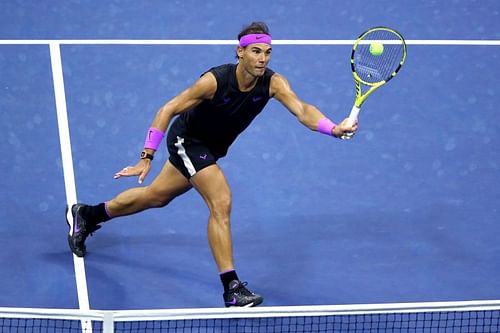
(376,49)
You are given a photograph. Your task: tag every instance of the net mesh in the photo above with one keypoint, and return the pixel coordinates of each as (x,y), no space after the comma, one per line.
(375,67)
(473,322)
(381,318)
(47,325)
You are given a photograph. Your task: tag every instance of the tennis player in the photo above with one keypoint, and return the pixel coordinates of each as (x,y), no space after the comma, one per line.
(207,117)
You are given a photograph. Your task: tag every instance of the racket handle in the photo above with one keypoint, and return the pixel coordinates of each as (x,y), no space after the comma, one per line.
(353,117)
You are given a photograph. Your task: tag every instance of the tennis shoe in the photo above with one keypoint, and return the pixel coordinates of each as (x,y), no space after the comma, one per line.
(79,230)
(239,296)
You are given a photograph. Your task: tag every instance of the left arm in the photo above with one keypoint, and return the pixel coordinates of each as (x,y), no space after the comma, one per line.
(307,114)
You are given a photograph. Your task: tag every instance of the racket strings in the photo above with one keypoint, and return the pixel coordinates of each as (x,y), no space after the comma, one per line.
(376,68)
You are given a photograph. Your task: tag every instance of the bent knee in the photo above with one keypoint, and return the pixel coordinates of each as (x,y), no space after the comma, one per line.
(220,206)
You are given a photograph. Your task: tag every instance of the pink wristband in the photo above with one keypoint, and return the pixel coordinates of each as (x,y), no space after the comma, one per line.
(154,138)
(326,126)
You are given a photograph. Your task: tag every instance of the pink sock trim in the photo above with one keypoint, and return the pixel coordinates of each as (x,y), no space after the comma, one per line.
(229,270)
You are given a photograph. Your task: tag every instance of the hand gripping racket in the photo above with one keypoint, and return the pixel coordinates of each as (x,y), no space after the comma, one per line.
(377,56)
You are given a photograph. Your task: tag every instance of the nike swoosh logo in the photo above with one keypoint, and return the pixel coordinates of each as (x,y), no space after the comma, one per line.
(259,37)
(256,99)
(75,225)
(232,302)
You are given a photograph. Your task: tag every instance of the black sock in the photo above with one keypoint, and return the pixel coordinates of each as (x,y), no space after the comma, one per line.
(95,214)
(227,277)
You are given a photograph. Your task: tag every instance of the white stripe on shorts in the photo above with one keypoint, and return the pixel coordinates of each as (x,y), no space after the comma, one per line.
(182,153)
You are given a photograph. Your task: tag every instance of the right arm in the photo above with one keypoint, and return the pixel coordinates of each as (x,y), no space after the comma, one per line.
(204,88)
(307,114)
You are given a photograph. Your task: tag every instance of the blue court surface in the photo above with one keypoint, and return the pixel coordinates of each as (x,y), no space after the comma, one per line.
(407,211)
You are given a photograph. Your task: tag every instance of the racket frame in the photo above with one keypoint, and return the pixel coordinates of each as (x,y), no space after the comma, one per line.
(360,96)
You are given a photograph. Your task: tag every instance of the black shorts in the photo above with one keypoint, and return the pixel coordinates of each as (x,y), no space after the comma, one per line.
(189,155)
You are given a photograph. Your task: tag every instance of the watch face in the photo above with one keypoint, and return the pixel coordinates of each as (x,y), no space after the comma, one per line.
(146,155)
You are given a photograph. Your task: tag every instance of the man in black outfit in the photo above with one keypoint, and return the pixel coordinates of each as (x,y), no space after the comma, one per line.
(210,115)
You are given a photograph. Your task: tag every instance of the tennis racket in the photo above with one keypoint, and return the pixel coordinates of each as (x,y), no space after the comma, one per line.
(377,56)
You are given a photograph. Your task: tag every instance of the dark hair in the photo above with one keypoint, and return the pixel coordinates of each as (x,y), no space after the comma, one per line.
(254,28)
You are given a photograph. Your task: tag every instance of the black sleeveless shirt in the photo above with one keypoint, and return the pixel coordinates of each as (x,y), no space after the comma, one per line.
(218,122)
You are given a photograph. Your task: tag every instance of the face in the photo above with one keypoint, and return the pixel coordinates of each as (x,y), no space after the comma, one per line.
(255,58)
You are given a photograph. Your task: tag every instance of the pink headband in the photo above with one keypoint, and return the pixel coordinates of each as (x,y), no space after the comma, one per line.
(254,39)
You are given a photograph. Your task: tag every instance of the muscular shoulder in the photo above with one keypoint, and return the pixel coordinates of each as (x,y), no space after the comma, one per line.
(279,85)
(205,87)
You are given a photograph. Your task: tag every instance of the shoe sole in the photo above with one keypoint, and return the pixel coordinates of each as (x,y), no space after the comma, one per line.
(249,305)
(67,221)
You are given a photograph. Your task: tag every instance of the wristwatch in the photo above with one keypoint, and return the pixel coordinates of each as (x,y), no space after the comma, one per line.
(146,155)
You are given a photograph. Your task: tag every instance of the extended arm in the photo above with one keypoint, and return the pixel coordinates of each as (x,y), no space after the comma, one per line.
(307,114)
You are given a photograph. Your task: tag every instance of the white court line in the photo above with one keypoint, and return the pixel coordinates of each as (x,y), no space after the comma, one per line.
(68,171)
(463,42)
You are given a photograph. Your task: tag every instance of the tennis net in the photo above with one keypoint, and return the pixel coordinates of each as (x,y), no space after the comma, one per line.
(469,316)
